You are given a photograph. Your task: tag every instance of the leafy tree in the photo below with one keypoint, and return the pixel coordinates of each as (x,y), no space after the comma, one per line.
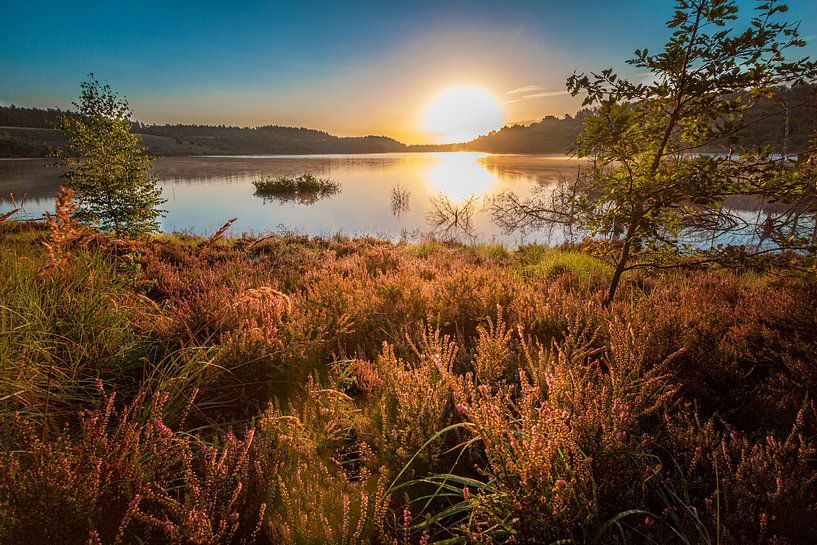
(651,185)
(106,164)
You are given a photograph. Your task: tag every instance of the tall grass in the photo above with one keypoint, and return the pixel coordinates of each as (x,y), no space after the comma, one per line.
(294,390)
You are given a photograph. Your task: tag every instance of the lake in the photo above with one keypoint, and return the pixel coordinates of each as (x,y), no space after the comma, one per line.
(204,192)
(383,195)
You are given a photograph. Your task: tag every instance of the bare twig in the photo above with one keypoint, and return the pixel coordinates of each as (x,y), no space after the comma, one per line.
(215,237)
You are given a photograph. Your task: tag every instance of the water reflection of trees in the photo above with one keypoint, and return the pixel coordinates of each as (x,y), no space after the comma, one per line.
(306,199)
(453,220)
(400,201)
(756,221)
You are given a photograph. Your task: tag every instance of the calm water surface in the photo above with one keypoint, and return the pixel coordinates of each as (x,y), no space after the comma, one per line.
(204,192)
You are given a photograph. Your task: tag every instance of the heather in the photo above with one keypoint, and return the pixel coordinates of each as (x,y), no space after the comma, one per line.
(295,390)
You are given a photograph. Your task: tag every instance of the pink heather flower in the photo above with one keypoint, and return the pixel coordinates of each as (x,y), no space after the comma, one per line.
(461,408)
(168,527)
(134,503)
(164,430)
(100,388)
(466,494)
(425,539)
(649,522)
(561,483)
(708,502)
(764,520)
(406,517)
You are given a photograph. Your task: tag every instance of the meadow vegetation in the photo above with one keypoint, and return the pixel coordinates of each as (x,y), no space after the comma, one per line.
(294,390)
(174,389)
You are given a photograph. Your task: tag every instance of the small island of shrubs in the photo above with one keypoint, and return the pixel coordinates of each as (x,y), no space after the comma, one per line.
(305,188)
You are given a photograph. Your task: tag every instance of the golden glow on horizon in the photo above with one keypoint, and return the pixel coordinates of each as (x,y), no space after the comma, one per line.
(461,113)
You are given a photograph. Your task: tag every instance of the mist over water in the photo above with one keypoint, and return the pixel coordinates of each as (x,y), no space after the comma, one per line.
(384,195)
(204,192)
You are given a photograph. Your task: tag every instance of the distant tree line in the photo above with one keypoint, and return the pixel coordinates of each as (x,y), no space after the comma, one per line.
(784,121)
(35,118)
(268,139)
(766,124)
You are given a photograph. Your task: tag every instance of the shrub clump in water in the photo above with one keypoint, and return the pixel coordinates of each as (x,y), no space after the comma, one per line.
(304,189)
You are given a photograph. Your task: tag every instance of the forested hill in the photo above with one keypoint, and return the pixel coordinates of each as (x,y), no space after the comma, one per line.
(766,126)
(550,135)
(257,140)
(28,132)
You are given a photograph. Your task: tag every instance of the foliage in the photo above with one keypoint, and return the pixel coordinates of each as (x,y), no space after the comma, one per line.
(106,165)
(354,391)
(304,189)
(165,486)
(650,182)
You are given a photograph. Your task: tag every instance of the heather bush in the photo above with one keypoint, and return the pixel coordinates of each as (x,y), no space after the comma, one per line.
(288,390)
(571,415)
(324,490)
(127,474)
(416,399)
(749,344)
(318,505)
(495,360)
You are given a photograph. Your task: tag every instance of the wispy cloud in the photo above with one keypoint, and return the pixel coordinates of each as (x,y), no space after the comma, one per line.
(533,96)
(810,37)
(525,89)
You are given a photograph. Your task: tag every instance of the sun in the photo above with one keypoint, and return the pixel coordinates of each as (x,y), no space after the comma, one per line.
(461,113)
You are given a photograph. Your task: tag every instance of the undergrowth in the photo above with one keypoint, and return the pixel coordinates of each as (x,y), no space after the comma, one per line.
(294,390)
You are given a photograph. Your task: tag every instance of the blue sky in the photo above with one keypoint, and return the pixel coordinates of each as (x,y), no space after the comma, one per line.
(345,67)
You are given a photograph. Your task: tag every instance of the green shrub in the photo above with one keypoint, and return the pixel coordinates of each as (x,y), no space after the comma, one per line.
(305,188)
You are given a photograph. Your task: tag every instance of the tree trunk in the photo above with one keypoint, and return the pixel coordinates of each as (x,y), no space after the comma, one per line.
(623,257)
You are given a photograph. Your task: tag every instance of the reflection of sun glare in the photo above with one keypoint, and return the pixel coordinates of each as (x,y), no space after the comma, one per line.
(459,175)
(462,113)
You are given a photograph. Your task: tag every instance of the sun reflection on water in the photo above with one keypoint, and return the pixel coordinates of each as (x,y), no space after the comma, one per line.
(459,175)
